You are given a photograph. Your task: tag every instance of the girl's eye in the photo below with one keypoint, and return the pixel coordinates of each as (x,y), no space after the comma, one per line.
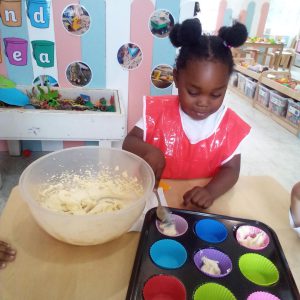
(216,96)
(193,93)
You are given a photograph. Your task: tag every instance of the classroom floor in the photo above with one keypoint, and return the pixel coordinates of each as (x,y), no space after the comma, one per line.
(269,150)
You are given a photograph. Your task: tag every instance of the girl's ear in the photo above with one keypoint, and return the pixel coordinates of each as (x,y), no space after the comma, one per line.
(175,76)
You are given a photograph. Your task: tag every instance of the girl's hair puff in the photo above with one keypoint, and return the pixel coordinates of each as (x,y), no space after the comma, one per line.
(196,46)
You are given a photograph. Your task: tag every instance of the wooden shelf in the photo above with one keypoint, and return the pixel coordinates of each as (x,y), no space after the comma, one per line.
(262,78)
(280,88)
(247,72)
(280,120)
(240,93)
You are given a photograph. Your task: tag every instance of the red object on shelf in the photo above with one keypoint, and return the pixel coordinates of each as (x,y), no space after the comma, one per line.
(26,152)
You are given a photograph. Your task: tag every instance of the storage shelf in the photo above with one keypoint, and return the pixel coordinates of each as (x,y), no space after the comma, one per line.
(247,72)
(280,120)
(280,88)
(240,93)
(263,79)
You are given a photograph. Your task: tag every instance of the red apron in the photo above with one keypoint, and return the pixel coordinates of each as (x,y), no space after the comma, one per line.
(183,159)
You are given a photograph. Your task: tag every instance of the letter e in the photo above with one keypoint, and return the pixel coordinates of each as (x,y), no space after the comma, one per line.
(17,55)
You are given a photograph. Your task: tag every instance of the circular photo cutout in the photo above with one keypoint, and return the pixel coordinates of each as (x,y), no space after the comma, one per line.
(162,76)
(79,74)
(45,80)
(76,19)
(161,23)
(129,56)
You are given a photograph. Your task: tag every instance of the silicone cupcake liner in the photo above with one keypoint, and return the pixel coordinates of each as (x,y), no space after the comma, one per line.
(224,262)
(181,226)
(164,287)
(252,237)
(213,291)
(262,296)
(258,269)
(168,254)
(211,231)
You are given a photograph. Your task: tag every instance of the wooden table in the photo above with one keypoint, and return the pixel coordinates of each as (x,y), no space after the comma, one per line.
(266,47)
(48,269)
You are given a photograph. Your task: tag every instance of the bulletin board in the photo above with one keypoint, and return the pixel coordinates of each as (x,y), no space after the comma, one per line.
(101,44)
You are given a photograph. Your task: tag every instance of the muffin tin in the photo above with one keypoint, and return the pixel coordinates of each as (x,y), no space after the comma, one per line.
(171,267)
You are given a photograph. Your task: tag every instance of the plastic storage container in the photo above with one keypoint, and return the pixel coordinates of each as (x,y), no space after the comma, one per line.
(263,96)
(87,229)
(241,82)
(293,112)
(234,79)
(278,104)
(250,87)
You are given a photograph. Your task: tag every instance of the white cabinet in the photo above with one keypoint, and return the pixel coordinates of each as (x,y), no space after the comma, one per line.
(40,124)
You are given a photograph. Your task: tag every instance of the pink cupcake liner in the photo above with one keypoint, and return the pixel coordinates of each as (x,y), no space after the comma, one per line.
(245,231)
(262,296)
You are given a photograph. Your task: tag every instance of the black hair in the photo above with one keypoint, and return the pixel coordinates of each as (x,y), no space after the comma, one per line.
(196,46)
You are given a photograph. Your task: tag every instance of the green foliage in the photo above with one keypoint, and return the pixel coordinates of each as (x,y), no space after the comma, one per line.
(50,96)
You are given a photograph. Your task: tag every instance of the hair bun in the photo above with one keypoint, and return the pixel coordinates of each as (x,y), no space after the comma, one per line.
(186,34)
(234,36)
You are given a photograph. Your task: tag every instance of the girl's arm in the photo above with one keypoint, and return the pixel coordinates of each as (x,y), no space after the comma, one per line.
(223,181)
(153,156)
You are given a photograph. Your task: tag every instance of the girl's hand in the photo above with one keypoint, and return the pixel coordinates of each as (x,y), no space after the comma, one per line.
(7,254)
(198,196)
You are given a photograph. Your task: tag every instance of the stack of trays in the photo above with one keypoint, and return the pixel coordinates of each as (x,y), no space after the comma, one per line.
(210,257)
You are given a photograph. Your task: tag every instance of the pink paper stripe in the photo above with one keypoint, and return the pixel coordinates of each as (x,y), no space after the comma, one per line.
(139,78)
(68,46)
(263,19)
(221,14)
(3,146)
(3,70)
(69,144)
(242,16)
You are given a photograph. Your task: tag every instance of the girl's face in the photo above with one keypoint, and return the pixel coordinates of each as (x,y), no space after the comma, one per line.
(201,87)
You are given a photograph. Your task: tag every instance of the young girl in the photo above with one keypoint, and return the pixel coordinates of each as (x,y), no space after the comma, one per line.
(194,135)
(295,208)
(7,254)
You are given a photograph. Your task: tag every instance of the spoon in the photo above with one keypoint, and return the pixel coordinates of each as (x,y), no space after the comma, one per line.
(162,212)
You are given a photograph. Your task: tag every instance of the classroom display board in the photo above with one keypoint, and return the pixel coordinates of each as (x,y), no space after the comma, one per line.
(112,44)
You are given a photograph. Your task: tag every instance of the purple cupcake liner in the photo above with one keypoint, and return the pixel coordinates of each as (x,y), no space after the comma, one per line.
(224,262)
(181,226)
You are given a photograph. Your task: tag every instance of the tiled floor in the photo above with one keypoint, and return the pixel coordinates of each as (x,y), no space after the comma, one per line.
(11,168)
(269,150)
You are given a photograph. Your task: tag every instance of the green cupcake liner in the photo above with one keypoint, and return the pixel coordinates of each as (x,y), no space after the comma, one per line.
(213,291)
(258,269)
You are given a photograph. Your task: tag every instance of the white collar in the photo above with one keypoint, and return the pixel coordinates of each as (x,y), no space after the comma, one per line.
(198,130)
